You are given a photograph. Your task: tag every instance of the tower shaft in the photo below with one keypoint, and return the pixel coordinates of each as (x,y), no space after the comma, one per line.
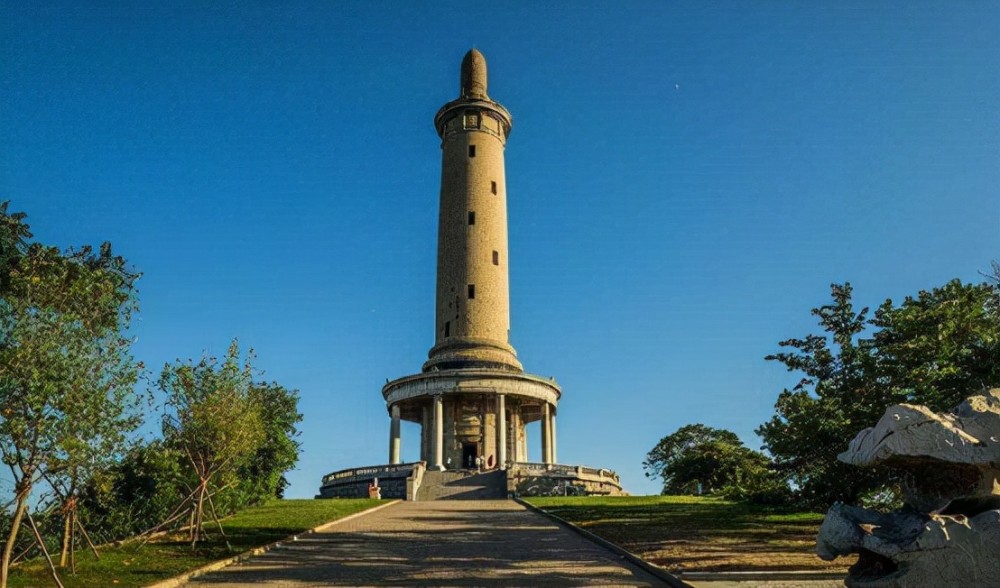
(473,295)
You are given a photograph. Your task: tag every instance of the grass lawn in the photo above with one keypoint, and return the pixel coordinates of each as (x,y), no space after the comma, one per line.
(689,533)
(131,565)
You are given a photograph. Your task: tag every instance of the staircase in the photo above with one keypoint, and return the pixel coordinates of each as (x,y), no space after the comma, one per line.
(462,485)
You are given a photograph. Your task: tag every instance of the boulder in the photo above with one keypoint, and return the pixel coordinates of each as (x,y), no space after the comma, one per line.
(948,534)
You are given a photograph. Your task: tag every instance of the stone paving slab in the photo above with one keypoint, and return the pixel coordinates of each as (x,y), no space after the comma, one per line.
(441,543)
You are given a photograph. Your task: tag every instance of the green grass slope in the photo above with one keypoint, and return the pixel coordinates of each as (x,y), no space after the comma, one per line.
(688,533)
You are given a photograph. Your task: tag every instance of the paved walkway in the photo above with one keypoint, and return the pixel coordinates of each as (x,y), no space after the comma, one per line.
(441,543)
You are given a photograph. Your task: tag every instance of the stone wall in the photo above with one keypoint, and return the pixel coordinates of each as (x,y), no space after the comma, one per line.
(354,483)
(403,481)
(538,479)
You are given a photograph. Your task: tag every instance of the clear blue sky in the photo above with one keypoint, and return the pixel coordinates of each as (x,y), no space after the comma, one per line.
(685,180)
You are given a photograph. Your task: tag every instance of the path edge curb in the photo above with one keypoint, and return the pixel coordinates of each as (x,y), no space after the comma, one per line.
(670,579)
(775,576)
(176,581)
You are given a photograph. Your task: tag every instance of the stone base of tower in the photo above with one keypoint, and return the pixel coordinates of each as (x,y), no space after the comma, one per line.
(538,479)
(473,418)
(412,481)
(469,354)
(473,441)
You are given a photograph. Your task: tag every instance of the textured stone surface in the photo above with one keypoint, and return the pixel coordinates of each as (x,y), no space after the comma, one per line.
(949,533)
(473,295)
(925,550)
(969,435)
(444,543)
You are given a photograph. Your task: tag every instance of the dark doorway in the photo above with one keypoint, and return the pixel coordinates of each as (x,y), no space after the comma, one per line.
(470,451)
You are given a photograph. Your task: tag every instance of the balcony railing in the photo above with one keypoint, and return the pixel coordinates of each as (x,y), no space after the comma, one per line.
(566,470)
(380,471)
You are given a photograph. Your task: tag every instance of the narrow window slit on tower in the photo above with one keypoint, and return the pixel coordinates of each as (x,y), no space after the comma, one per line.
(472,291)
(472,150)
(493,187)
(472,217)
(496,258)
(447,329)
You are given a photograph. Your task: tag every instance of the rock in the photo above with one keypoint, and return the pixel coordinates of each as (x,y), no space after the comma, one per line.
(913,550)
(949,533)
(915,431)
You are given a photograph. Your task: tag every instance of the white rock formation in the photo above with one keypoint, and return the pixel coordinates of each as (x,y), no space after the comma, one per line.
(949,535)
(969,435)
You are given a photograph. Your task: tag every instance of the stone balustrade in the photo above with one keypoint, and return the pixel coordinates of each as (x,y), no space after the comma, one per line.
(532,478)
(395,480)
(523,478)
(579,471)
(379,471)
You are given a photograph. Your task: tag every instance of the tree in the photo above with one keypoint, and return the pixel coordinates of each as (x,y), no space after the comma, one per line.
(138,491)
(262,477)
(934,349)
(102,408)
(833,397)
(697,459)
(59,313)
(942,345)
(214,424)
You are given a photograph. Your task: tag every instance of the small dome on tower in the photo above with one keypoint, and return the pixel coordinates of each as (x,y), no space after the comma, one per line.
(474,75)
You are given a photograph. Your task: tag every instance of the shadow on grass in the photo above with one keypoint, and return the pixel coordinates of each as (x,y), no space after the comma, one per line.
(700,533)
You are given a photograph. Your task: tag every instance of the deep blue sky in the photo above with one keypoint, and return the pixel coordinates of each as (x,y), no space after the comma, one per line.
(685,180)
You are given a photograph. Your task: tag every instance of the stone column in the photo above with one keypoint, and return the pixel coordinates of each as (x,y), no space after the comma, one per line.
(501,431)
(437,442)
(394,435)
(546,437)
(552,435)
(521,437)
(425,433)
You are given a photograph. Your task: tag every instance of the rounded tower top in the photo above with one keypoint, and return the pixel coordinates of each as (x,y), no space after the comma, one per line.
(473,95)
(474,75)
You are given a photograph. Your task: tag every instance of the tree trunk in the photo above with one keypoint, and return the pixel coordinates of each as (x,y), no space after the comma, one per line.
(72,542)
(191,521)
(22,505)
(67,531)
(200,513)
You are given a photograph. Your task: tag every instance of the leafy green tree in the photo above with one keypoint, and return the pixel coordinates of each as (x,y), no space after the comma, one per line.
(700,459)
(152,479)
(934,349)
(214,424)
(137,492)
(59,313)
(942,345)
(263,476)
(103,408)
(835,395)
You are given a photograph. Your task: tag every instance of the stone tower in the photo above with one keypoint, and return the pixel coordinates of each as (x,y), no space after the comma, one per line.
(472,397)
(473,302)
